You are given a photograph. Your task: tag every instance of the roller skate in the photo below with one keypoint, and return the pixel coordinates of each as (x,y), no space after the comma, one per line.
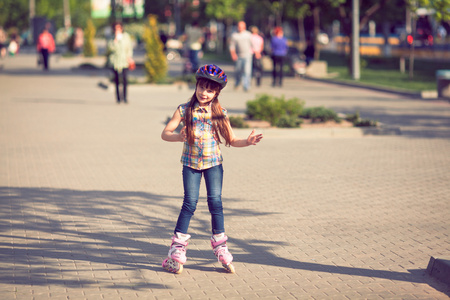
(219,245)
(177,253)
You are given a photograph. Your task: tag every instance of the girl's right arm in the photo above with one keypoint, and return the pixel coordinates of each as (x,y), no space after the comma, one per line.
(168,133)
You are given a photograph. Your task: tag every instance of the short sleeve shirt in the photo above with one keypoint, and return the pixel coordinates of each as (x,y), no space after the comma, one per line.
(205,152)
(241,42)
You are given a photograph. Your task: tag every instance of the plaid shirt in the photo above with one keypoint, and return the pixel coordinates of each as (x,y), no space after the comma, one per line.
(205,153)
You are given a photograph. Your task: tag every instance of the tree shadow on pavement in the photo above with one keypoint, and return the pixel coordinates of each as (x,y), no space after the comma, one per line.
(62,236)
(48,236)
(257,252)
(431,123)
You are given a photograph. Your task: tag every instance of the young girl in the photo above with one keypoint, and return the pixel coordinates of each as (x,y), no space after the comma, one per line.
(204,122)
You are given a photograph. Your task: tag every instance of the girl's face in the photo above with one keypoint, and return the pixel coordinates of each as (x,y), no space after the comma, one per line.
(118,29)
(205,94)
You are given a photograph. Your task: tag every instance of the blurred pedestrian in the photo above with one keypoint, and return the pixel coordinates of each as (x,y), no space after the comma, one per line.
(13,47)
(309,52)
(78,40)
(279,47)
(241,51)
(45,45)
(194,42)
(120,57)
(2,42)
(258,47)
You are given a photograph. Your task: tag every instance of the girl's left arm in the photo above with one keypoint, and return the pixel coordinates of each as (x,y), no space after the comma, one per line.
(252,139)
(169,133)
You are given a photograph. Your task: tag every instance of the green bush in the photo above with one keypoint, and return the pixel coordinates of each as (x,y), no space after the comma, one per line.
(287,121)
(237,122)
(89,48)
(358,122)
(353,117)
(320,114)
(366,123)
(155,64)
(272,109)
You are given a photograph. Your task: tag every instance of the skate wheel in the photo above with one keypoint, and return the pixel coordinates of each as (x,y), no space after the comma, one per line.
(229,268)
(172,266)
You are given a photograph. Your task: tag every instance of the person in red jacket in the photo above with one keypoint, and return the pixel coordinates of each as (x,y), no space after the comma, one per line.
(45,45)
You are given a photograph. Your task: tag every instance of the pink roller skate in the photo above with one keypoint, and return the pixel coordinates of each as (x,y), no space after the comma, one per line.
(219,245)
(177,253)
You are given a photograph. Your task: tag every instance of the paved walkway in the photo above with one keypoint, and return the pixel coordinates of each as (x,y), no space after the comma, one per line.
(89,195)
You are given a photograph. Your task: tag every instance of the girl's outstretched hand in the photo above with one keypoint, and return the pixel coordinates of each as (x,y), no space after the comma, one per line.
(253,138)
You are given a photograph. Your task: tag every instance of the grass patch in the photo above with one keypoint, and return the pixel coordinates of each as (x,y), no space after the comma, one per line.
(385,72)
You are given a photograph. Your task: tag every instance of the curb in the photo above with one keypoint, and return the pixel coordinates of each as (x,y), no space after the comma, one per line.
(440,269)
(332,132)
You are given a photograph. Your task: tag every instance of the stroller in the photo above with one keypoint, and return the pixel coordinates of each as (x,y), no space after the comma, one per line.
(297,62)
(188,68)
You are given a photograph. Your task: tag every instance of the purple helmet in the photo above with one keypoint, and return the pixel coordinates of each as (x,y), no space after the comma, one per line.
(214,73)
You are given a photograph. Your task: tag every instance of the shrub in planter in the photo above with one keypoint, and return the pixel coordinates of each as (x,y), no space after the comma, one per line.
(287,121)
(237,122)
(358,122)
(320,114)
(269,108)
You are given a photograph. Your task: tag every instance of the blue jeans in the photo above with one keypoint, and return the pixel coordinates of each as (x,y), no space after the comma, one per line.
(191,182)
(193,58)
(243,70)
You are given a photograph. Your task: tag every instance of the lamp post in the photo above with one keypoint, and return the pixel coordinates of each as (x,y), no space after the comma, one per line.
(355,41)
(67,21)
(32,6)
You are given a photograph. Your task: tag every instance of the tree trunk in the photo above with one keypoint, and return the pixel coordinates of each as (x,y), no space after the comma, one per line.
(316,14)
(301,29)
(280,13)
(411,52)
(363,21)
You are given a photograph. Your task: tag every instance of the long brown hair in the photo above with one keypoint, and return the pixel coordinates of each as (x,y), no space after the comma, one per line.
(219,121)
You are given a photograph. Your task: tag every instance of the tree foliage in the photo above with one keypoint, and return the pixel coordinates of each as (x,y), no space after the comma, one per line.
(226,9)
(155,64)
(441,8)
(89,47)
(15,13)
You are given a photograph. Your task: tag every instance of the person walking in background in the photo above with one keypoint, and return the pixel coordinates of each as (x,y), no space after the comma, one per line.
(309,52)
(45,45)
(2,42)
(242,52)
(258,48)
(120,56)
(14,45)
(279,47)
(194,41)
(78,40)
(205,124)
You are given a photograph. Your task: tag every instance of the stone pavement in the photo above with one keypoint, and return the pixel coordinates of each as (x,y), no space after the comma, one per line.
(89,195)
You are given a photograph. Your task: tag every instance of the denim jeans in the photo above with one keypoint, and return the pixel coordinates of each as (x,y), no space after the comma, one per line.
(191,181)
(194,59)
(121,96)
(277,73)
(243,71)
